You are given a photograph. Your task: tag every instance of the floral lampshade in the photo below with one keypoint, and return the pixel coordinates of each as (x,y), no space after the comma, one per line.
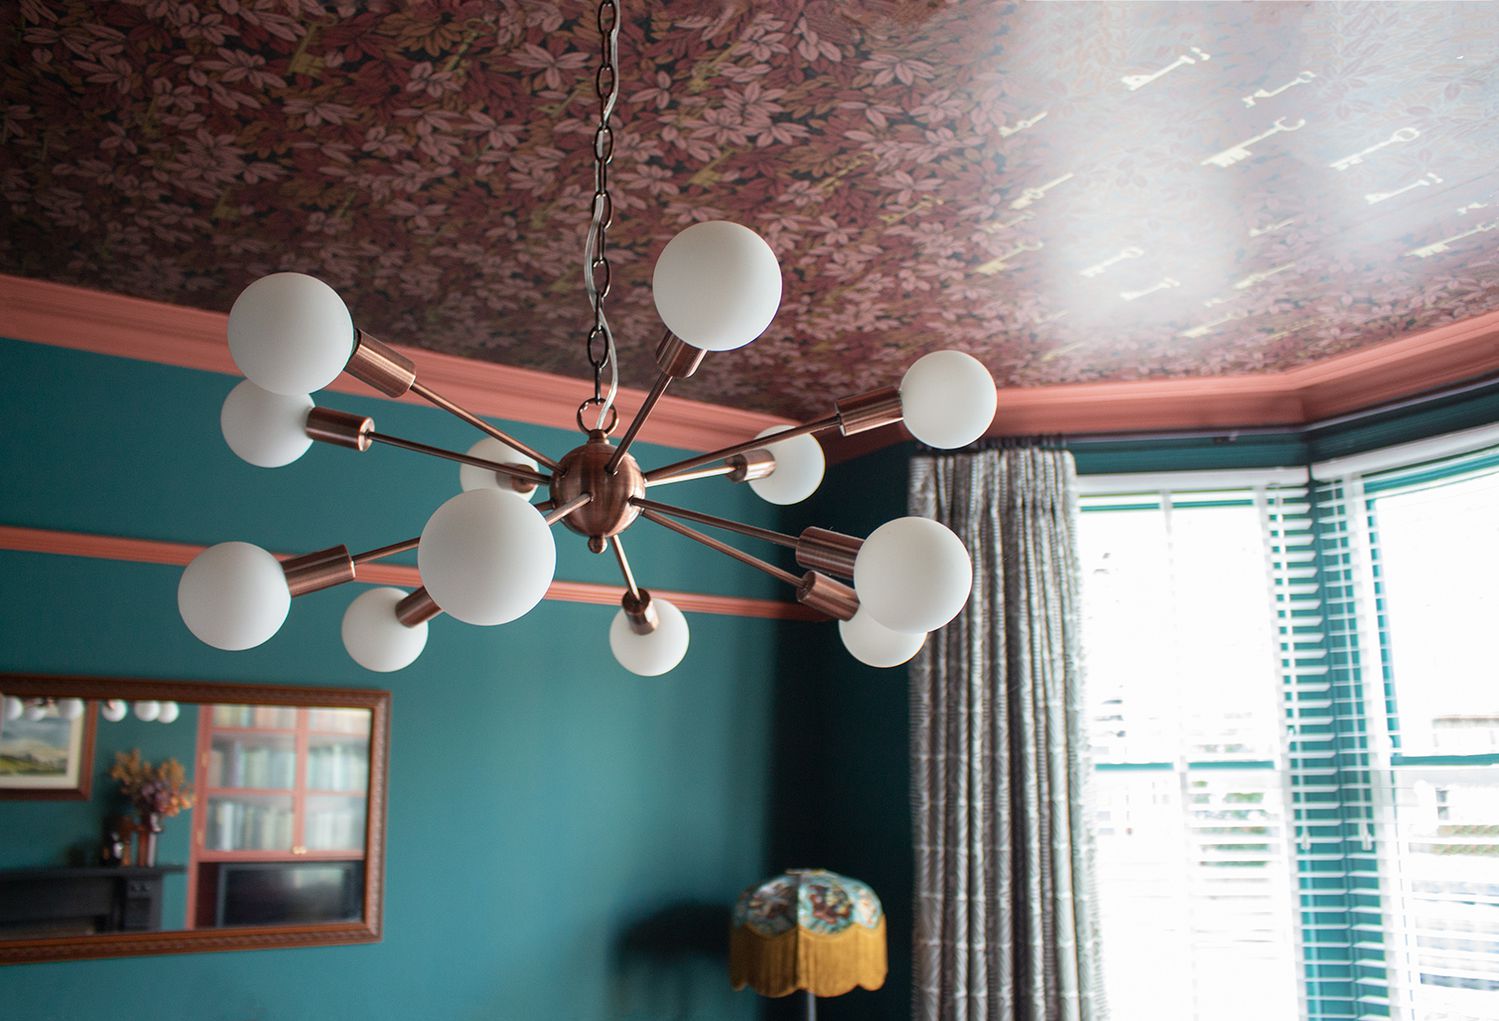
(808,929)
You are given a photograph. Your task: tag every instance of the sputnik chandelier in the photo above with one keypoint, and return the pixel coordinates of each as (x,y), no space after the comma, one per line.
(487,555)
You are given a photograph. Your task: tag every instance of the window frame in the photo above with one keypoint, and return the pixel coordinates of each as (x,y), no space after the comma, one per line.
(1379,964)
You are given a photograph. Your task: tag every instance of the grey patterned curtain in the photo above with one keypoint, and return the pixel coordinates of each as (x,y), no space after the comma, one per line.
(1005,914)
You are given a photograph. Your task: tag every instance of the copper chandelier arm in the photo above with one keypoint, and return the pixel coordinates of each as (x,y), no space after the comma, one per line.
(624,568)
(678,360)
(658,388)
(556,514)
(754,532)
(517,472)
(667,472)
(721,547)
(696,473)
(404,546)
(431,397)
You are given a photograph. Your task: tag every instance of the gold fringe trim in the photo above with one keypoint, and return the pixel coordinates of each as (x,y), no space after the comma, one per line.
(828,965)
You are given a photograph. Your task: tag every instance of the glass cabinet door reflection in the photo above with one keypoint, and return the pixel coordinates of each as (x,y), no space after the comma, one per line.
(281,836)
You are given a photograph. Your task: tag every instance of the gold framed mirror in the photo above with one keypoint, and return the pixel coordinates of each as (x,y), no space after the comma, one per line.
(159,817)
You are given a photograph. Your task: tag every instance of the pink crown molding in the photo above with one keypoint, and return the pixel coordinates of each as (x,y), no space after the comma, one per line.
(1405,367)
(87,320)
(153,331)
(155,551)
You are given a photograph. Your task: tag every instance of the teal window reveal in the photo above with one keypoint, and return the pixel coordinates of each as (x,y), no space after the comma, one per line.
(1294,715)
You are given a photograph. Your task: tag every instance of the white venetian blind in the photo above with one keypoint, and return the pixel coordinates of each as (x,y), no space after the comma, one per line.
(1191,797)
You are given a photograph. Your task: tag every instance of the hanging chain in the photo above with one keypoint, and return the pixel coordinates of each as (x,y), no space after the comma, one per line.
(596,271)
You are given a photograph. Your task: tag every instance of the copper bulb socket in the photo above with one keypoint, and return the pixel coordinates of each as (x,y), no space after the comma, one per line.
(316,571)
(752,464)
(640,613)
(677,358)
(821,549)
(869,410)
(525,487)
(416,608)
(825,595)
(381,366)
(340,428)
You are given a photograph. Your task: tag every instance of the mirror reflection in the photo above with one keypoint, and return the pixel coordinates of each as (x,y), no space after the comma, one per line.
(142,815)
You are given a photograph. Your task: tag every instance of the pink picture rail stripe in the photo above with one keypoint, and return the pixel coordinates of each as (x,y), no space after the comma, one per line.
(156,551)
(153,331)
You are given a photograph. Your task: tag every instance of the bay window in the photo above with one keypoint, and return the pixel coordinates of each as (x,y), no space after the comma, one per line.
(1294,715)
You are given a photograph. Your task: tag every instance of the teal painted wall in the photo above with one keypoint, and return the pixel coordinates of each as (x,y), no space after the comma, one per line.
(70,832)
(564,838)
(841,774)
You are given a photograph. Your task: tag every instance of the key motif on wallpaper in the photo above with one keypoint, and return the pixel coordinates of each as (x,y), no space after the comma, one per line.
(1136,82)
(995,228)
(1270,228)
(1445,245)
(1261,277)
(1303,78)
(1005,130)
(1208,327)
(1031,196)
(1402,135)
(1000,263)
(1221,299)
(1165,283)
(1098,268)
(1425,181)
(1236,153)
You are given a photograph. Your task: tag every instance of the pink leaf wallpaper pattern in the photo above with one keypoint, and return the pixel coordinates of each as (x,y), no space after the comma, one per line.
(1071,192)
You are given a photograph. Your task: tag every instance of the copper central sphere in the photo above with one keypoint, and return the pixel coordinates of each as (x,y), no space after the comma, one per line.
(583,470)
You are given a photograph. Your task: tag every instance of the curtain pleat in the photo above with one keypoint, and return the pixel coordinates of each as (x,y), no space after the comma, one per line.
(1006,926)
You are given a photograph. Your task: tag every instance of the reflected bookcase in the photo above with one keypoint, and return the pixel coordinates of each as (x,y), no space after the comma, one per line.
(279,784)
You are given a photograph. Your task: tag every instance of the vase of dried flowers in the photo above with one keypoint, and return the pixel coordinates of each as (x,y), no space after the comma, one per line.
(155,792)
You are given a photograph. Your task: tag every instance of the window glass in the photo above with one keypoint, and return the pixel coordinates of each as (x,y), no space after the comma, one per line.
(1437,553)
(1195,865)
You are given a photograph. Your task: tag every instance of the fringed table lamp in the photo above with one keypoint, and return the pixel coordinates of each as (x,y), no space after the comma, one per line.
(807,929)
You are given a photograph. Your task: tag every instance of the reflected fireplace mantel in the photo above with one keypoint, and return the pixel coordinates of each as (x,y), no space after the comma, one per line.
(81,901)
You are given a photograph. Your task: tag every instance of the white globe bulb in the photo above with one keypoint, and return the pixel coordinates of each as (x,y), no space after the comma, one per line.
(873,644)
(486,558)
(912,574)
(169,712)
(717,285)
(147,709)
(290,333)
(13,708)
(268,430)
(653,654)
(471,477)
(948,399)
(799,468)
(70,708)
(375,638)
(114,710)
(233,596)
(34,711)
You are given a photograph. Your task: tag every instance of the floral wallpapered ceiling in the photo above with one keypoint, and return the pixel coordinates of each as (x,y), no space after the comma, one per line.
(1071,192)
